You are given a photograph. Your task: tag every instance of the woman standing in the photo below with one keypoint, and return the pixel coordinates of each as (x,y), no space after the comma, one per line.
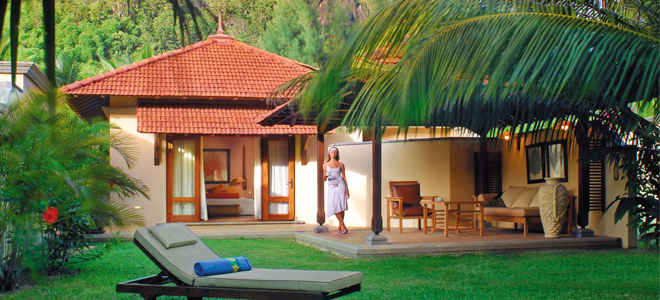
(334,172)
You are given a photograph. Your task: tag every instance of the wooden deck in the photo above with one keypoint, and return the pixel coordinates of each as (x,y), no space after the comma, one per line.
(411,242)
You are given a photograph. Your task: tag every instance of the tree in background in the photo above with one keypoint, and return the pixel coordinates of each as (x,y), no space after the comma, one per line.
(147,51)
(309,30)
(294,32)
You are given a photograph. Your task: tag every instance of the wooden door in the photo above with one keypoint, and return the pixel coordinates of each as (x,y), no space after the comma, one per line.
(183,179)
(278,178)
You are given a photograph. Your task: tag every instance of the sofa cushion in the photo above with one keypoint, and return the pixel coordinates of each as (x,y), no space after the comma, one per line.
(535,201)
(512,211)
(409,192)
(525,198)
(510,194)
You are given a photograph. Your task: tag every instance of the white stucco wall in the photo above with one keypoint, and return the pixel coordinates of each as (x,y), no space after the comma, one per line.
(428,162)
(19,81)
(603,223)
(154,210)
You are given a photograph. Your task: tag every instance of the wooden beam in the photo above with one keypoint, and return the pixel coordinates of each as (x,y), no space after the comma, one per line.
(156,149)
(377,218)
(303,153)
(320,185)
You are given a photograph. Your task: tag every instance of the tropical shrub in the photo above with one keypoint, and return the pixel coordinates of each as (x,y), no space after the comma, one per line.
(68,240)
(55,183)
(634,146)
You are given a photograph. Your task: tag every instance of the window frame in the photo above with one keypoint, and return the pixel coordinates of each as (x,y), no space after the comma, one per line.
(545,160)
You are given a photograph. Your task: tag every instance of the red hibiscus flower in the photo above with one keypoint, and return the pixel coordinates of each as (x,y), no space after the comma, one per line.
(50,216)
(112,185)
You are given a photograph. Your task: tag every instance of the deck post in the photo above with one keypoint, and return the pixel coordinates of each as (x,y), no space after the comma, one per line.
(320,185)
(376,166)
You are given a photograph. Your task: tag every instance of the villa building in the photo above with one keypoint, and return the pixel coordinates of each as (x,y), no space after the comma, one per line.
(193,114)
(28,78)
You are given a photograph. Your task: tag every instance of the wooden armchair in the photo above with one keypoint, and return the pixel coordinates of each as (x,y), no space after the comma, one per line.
(404,203)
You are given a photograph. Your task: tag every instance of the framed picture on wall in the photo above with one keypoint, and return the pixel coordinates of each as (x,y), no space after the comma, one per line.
(535,164)
(216,166)
(546,160)
(556,160)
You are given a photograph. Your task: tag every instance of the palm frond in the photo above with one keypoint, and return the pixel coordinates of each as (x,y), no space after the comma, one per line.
(146,51)
(125,145)
(509,59)
(68,70)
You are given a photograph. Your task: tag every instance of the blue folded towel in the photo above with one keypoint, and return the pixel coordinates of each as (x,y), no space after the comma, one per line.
(223,265)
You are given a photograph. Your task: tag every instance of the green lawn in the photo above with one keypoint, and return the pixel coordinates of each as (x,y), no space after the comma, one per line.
(610,274)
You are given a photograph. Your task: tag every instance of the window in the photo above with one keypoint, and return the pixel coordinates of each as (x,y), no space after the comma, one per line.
(546,160)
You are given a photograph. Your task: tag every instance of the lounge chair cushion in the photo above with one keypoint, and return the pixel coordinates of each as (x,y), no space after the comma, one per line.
(173,235)
(411,211)
(179,261)
(409,192)
(283,279)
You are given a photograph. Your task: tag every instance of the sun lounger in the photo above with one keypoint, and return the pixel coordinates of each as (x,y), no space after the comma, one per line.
(175,249)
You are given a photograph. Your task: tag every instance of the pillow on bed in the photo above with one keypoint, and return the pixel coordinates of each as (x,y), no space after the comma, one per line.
(173,235)
(217,190)
(223,195)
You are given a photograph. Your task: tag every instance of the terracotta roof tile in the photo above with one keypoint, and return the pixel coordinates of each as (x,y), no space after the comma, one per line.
(212,68)
(209,119)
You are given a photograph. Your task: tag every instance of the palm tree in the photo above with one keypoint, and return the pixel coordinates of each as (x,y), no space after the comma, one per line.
(63,162)
(492,65)
(440,62)
(68,70)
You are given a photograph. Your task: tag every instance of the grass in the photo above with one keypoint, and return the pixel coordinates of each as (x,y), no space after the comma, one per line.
(607,274)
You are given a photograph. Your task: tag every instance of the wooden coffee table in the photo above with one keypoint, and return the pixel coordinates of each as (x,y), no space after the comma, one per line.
(478,211)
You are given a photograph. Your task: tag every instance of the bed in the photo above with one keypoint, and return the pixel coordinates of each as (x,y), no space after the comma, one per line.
(246,207)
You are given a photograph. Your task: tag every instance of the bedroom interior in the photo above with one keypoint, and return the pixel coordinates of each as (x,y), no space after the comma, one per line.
(228,179)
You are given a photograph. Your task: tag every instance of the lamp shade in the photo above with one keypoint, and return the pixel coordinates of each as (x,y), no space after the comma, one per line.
(236,181)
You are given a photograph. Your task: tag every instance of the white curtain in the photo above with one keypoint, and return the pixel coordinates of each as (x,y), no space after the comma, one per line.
(278,164)
(183,177)
(202,198)
(257,178)
(556,161)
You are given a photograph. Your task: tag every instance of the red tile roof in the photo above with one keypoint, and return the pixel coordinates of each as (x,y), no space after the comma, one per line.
(273,112)
(209,119)
(217,67)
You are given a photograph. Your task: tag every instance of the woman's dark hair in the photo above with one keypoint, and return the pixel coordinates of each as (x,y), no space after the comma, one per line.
(333,148)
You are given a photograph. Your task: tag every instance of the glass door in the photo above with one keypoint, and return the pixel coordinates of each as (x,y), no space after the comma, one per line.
(278,186)
(183,179)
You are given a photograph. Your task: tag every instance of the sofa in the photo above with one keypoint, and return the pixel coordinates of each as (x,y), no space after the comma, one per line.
(518,205)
